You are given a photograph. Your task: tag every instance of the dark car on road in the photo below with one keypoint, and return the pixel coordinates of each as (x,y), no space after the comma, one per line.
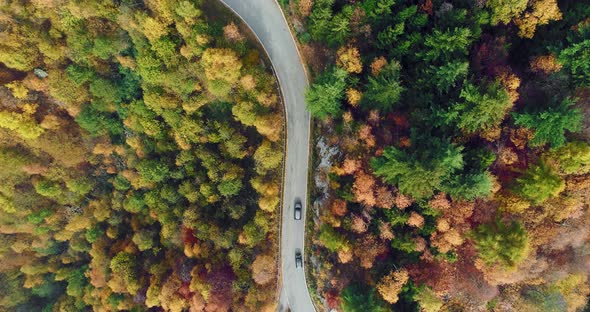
(298,259)
(298,208)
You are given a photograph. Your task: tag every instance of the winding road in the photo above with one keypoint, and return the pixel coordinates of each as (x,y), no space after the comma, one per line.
(266,20)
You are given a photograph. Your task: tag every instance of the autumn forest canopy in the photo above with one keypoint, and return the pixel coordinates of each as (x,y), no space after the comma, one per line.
(140,154)
(459,163)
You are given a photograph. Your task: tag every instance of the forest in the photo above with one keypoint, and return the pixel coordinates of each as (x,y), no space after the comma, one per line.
(140,159)
(461,177)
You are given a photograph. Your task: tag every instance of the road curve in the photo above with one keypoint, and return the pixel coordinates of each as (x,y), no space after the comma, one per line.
(266,20)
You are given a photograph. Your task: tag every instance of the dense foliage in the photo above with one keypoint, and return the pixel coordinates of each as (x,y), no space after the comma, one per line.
(140,154)
(453,155)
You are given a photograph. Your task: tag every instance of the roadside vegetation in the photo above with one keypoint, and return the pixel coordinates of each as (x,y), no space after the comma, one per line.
(462,177)
(140,159)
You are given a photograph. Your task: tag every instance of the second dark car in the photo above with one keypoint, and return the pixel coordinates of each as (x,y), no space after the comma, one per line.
(298,259)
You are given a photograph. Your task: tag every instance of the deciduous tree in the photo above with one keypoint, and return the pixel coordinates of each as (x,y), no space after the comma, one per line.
(222,67)
(505,10)
(541,12)
(391,285)
(349,58)
(364,188)
(264,269)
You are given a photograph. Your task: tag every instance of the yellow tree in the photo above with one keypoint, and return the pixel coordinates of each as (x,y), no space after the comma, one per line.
(268,157)
(543,11)
(153,28)
(221,65)
(391,285)
(349,58)
(545,64)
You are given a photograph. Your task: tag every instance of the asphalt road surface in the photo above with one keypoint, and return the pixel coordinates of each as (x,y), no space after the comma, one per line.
(266,20)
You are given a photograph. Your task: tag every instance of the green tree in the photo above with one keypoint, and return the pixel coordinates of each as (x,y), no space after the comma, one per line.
(331,239)
(384,91)
(230,188)
(80,186)
(105,90)
(576,56)
(80,74)
(446,46)
(252,234)
(23,124)
(267,157)
(572,158)
(500,243)
(144,239)
(428,300)
(505,10)
(108,46)
(152,170)
(403,33)
(545,299)
(165,48)
(377,10)
(482,108)
(550,125)
(421,171)
(539,183)
(12,293)
(48,189)
(49,288)
(361,298)
(243,111)
(187,10)
(320,19)
(77,281)
(404,243)
(37,217)
(469,186)
(325,95)
(93,234)
(98,123)
(339,28)
(125,265)
(134,203)
(446,76)
(121,183)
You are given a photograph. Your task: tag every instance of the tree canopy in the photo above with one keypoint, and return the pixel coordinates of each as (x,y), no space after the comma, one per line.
(551,124)
(325,95)
(501,243)
(419,174)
